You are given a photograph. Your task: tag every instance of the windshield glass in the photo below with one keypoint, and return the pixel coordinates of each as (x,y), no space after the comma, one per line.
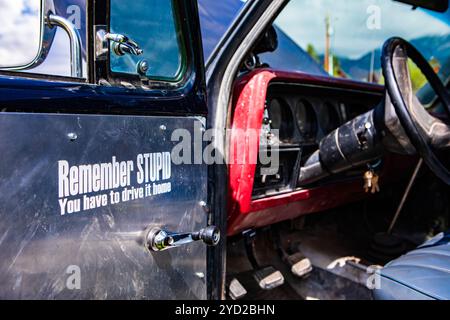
(345,37)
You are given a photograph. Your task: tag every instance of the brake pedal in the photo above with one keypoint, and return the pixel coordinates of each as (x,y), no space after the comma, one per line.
(236,290)
(268,278)
(300,265)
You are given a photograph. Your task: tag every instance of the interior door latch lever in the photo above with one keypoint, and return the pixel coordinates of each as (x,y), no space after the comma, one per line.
(158,239)
(122,44)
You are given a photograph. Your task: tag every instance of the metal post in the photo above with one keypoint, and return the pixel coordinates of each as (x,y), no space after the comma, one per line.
(405,195)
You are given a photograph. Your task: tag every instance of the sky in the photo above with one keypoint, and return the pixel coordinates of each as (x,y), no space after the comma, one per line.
(304,22)
(19,32)
(20,35)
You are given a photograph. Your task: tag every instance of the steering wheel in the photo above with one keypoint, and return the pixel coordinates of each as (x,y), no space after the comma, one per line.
(426,133)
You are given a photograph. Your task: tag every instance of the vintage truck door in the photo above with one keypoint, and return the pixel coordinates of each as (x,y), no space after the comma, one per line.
(92,161)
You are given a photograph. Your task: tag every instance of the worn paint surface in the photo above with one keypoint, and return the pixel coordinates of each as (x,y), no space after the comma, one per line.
(38,245)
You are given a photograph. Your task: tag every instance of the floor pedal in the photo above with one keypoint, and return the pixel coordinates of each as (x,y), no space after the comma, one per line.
(268,278)
(236,290)
(300,265)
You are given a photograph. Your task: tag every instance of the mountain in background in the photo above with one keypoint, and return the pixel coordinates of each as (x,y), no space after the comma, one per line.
(437,47)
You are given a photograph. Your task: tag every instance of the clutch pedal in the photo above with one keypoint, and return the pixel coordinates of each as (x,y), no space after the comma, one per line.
(267,277)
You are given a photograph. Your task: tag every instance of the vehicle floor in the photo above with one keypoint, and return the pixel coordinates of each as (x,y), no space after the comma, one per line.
(324,282)
(339,243)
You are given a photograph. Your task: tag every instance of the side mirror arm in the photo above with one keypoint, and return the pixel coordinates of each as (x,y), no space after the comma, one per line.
(76,60)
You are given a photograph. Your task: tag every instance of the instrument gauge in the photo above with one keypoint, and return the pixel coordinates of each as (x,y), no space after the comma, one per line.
(281,119)
(276,114)
(329,118)
(306,120)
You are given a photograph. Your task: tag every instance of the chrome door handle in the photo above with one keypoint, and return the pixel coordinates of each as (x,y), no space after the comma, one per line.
(158,239)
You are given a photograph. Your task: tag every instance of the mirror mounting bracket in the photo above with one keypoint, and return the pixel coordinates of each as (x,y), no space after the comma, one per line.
(101,43)
(76,60)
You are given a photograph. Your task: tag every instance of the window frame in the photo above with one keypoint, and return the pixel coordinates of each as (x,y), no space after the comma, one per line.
(68,95)
(182,68)
(98,13)
(187,68)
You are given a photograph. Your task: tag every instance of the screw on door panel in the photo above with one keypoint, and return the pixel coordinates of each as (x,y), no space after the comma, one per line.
(205,206)
(143,67)
(72,136)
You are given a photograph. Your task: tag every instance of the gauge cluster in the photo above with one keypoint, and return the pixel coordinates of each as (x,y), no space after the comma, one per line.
(296,118)
(300,120)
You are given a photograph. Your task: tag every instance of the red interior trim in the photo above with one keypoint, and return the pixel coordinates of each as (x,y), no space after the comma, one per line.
(249,101)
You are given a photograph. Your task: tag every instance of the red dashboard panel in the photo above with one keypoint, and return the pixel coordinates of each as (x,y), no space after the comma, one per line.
(249,102)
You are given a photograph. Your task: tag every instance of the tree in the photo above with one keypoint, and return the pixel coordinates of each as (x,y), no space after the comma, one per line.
(434,63)
(312,52)
(337,71)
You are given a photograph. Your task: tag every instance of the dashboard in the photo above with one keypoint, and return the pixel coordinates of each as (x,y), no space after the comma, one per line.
(293,112)
(296,118)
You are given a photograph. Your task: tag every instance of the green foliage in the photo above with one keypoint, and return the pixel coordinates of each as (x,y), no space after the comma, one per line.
(312,52)
(417,78)
(337,71)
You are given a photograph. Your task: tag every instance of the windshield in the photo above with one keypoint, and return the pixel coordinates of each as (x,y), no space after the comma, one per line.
(346,37)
